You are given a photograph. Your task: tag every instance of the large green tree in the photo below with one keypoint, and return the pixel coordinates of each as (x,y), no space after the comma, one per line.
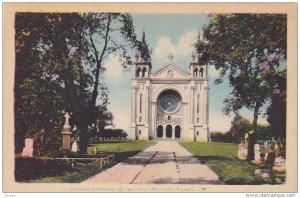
(59,68)
(250,51)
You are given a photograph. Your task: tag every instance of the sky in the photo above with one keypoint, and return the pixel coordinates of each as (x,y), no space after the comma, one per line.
(165,34)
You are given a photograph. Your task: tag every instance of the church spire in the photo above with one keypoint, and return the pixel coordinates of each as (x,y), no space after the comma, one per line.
(143,36)
(199,36)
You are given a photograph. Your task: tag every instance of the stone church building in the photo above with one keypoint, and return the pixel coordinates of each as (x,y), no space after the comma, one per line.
(169,103)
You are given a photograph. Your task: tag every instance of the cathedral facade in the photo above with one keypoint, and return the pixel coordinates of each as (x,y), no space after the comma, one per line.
(169,103)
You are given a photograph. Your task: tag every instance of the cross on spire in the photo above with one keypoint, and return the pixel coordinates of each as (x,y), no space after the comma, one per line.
(170,57)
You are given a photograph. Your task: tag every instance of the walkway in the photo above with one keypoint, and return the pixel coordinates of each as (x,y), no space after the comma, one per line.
(166,162)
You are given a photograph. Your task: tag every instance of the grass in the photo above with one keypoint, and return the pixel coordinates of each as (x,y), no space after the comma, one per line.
(81,174)
(222,158)
(121,149)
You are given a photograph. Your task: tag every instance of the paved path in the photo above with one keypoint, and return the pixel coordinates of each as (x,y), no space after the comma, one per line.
(166,162)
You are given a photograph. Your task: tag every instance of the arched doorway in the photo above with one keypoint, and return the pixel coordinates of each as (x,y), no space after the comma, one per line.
(177,131)
(169,131)
(159,131)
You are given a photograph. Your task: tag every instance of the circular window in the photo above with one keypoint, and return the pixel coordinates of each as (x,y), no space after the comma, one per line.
(169,101)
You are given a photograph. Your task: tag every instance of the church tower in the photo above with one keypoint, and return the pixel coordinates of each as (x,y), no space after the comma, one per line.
(140,86)
(200,94)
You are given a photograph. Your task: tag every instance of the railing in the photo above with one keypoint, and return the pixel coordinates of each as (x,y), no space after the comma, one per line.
(100,160)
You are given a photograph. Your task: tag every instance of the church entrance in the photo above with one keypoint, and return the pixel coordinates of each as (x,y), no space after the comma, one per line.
(159,131)
(169,131)
(177,131)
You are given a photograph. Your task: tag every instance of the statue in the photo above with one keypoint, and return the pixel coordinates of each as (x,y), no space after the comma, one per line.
(170,57)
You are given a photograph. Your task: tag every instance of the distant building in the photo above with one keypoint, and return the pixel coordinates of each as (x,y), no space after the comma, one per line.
(169,103)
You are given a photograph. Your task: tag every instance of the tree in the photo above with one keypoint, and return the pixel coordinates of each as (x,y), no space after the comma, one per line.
(276,112)
(59,67)
(251,50)
(239,127)
(42,56)
(104,34)
(217,136)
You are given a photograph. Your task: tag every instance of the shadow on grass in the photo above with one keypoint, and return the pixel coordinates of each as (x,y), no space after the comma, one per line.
(205,159)
(109,142)
(232,171)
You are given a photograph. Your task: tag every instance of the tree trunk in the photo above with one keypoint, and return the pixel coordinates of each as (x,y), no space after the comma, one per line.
(83,137)
(252,137)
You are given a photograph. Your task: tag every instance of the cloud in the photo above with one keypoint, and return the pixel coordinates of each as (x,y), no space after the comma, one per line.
(182,49)
(114,71)
(212,72)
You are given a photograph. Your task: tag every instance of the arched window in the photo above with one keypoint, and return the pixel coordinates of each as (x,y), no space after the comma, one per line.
(144,72)
(138,72)
(195,72)
(201,72)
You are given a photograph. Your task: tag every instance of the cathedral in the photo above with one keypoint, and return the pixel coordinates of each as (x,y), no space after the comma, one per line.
(169,103)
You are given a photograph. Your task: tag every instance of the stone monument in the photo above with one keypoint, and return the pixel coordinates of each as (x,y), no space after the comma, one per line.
(28,149)
(257,157)
(75,147)
(66,134)
(242,152)
(279,164)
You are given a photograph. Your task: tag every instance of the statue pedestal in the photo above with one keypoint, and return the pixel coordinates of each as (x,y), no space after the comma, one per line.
(66,140)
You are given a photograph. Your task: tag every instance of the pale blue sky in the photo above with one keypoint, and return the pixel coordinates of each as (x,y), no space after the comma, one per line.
(165,34)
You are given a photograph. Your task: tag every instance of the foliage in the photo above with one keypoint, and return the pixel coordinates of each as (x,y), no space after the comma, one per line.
(221,137)
(59,172)
(239,126)
(251,50)
(40,59)
(263,132)
(29,168)
(110,134)
(222,158)
(59,68)
(276,112)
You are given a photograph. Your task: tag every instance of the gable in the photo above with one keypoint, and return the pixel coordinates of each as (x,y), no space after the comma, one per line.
(170,70)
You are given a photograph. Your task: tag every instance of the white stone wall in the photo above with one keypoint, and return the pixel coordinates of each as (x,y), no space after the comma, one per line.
(192,117)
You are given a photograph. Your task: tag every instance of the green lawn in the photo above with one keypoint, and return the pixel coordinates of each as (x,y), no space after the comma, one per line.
(121,149)
(119,146)
(222,158)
